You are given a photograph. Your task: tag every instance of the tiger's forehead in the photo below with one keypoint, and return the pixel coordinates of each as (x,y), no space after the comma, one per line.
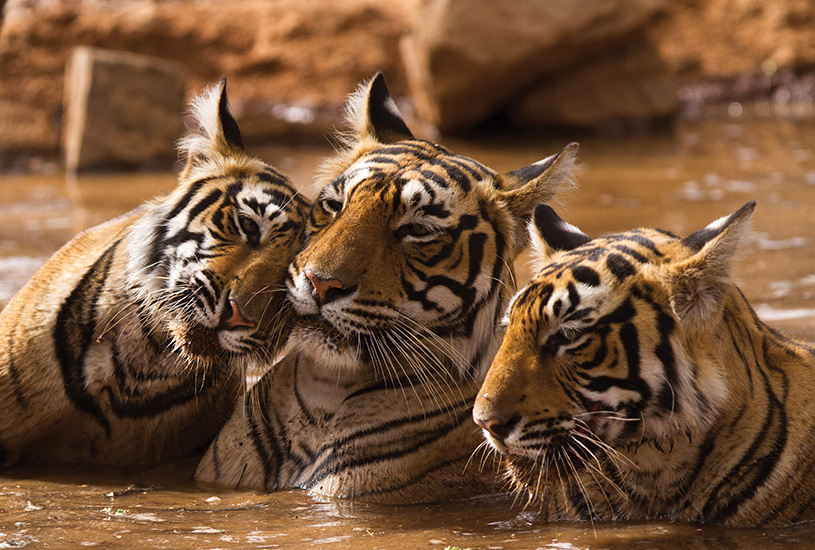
(413,167)
(618,256)
(596,272)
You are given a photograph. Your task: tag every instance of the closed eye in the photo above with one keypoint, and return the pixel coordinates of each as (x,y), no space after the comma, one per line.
(331,206)
(563,337)
(416,231)
(250,229)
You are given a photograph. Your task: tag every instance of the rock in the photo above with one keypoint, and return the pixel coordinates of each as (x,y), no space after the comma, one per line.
(286,56)
(466,58)
(121,110)
(631,83)
(25,128)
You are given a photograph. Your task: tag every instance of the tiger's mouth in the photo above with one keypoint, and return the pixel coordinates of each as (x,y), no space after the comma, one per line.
(204,344)
(549,464)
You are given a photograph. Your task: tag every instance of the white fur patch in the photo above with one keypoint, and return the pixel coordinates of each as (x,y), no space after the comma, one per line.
(357,175)
(205,127)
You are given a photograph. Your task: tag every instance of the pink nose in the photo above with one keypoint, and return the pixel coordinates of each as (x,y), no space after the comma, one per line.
(499,428)
(233,318)
(325,290)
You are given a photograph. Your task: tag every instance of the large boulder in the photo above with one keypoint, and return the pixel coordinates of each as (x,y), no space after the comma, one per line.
(465,59)
(629,84)
(121,110)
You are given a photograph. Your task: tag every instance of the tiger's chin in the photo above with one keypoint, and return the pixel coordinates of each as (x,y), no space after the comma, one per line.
(326,345)
(532,470)
(208,348)
(535,477)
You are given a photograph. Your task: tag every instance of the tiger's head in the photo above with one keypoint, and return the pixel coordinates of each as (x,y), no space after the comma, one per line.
(410,247)
(209,260)
(603,353)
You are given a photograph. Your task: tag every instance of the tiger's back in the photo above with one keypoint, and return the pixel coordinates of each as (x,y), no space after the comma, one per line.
(130,344)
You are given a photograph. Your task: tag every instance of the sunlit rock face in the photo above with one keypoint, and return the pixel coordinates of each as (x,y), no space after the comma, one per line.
(121,109)
(495,53)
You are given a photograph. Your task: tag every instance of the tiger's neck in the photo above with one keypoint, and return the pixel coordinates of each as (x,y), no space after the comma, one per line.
(728,470)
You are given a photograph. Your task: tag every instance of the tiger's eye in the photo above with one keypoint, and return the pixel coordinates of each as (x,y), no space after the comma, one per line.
(414,230)
(558,339)
(250,229)
(332,206)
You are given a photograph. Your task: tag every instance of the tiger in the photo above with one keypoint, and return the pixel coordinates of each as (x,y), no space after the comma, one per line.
(636,382)
(129,345)
(406,269)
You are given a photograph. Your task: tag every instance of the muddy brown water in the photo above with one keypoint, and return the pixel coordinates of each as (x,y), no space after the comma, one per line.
(678,181)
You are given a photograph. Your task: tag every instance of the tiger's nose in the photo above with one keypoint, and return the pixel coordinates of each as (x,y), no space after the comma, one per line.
(499,428)
(326,290)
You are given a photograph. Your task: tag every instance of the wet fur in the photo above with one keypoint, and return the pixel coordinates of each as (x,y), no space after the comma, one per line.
(115,351)
(374,399)
(636,382)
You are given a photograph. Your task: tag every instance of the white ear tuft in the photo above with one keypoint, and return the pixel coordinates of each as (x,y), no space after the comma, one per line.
(214,130)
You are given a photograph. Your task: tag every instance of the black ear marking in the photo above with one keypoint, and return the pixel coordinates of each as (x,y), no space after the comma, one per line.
(387,123)
(229,125)
(697,240)
(557,233)
(528,173)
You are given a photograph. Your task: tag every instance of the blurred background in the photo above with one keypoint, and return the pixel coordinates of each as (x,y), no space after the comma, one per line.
(457,66)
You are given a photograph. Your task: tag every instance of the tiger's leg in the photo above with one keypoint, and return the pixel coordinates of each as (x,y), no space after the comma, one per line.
(249,451)
(232,459)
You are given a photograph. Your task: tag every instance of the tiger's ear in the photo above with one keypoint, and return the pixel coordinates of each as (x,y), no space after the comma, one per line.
(526,187)
(549,234)
(214,131)
(700,282)
(372,113)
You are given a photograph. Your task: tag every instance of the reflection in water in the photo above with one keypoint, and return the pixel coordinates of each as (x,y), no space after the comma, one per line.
(678,182)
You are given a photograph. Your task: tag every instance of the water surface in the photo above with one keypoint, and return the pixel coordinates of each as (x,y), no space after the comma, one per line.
(679,181)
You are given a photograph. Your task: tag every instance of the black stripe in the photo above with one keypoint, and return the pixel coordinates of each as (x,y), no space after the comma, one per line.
(415,148)
(272,176)
(335,463)
(574,299)
(205,202)
(184,201)
(388,384)
(73,334)
(148,406)
(216,458)
(586,275)
(600,354)
(631,252)
(475,169)
(265,430)
(619,267)
(476,256)
(438,179)
(758,462)
(456,175)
